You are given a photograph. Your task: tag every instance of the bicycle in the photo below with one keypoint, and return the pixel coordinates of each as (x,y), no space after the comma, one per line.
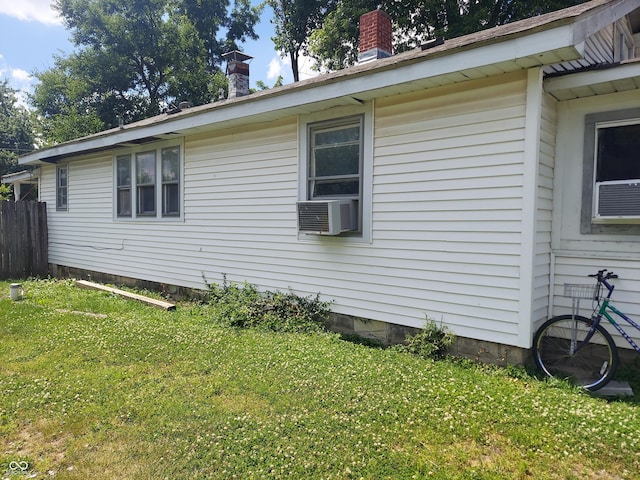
(578,348)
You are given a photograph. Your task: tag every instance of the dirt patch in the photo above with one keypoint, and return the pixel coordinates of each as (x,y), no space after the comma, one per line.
(40,447)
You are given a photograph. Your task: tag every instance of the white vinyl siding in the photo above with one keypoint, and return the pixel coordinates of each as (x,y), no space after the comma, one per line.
(448,185)
(447,211)
(599,47)
(83,235)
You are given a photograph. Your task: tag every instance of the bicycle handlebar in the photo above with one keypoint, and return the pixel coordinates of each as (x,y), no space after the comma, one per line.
(604,275)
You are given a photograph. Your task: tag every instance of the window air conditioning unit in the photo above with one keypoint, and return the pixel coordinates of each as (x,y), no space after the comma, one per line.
(618,200)
(327,217)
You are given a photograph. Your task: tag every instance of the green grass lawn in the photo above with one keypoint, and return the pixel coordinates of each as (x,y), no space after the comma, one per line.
(93,386)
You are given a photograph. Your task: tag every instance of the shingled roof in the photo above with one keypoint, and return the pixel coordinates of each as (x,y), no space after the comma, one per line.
(547,39)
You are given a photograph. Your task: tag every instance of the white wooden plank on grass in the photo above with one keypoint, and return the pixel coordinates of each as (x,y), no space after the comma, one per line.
(141,298)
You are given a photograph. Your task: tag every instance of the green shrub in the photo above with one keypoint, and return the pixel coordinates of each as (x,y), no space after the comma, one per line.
(244,306)
(6,191)
(432,341)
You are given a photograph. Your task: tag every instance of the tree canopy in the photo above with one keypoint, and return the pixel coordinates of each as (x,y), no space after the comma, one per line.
(135,58)
(294,22)
(334,44)
(16,129)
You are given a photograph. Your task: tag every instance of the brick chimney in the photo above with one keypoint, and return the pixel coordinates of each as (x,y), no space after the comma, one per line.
(238,73)
(376,39)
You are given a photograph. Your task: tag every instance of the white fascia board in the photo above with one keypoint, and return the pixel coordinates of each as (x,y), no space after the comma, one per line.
(592,77)
(19,176)
(531,45)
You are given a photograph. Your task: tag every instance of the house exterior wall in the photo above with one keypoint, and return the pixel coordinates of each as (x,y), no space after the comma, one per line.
(576,254)
(447,215)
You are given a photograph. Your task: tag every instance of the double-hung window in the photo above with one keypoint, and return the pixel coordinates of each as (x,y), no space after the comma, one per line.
(170,181)
(336,156)
(123,185)
(335,159)
(62,187)
(611,170)
(146,167)
(148,183)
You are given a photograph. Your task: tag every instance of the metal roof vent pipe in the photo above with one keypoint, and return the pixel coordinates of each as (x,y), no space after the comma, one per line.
(238,73)
(376,36)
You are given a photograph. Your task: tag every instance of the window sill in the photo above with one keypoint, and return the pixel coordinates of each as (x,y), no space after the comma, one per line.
(143,219)
(342,239)
(616,221)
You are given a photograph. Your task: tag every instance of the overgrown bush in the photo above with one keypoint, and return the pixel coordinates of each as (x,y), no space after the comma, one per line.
(244,306)
(432,341)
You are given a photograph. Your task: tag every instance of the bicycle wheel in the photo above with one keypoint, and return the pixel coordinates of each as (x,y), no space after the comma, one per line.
(554,350)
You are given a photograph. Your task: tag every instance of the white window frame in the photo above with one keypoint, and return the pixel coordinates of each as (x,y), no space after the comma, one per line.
(336,116)
(159,190)
(324,127)
(62,206)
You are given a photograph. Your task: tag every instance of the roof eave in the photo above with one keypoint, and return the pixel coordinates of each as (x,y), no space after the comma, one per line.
(556,40)
(597,81)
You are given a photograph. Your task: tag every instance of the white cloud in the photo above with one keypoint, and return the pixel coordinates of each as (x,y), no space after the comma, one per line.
(20,75)
(275,68)
(30,10)
(282,66)
(22,82)
(18,79)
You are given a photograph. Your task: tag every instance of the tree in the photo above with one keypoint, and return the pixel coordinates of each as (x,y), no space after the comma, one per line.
(263,86)
(16,130)
(71,103)
(294,20)
(335,44)
(210,16)
(135,58)
(6,192)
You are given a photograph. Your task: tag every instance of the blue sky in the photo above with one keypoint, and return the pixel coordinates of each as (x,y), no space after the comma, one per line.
(31,34)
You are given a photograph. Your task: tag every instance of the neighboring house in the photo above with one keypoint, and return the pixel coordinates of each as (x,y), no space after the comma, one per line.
(25,184)
(473,178)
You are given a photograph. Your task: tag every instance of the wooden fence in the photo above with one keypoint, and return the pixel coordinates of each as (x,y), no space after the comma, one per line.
(23,239)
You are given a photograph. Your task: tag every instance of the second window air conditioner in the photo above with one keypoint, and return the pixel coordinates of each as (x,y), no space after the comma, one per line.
(618,200)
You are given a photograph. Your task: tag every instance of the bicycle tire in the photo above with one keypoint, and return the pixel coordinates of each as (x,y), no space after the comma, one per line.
(591,367)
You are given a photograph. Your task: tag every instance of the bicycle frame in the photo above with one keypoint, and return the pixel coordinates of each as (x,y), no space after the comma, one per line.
(603,311)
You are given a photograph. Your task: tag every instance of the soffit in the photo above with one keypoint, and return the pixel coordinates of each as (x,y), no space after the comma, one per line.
(615,78)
